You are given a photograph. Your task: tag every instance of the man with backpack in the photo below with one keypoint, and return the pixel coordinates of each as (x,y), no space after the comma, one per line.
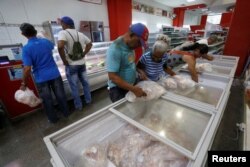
(72,47)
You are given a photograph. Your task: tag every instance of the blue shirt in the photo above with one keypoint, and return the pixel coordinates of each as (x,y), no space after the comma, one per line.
(153,69)
(121,60)
(38,54)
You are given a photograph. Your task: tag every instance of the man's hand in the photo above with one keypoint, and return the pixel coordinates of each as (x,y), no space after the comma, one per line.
(138,92)
(22,87)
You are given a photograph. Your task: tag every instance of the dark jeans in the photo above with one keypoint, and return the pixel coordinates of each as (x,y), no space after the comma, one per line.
(45,89)
(117,93)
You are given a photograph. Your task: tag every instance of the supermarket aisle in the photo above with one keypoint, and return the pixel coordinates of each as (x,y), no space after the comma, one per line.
(22,141)
(228,137)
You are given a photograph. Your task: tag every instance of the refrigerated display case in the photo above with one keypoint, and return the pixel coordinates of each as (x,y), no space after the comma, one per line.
(184,121)
(208,93)
(222,64)
(95,64)
(52,29)
(217,67)
(184,130)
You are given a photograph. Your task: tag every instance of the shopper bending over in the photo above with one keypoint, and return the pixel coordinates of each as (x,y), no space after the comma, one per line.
(75,68)
(120,62)
(37,54)
(153,63)
(189,55)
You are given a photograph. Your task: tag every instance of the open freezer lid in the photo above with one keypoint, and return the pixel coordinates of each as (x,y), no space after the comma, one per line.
(208,93)
(181,127)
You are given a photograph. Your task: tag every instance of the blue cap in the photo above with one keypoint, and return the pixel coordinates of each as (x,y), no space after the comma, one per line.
(141,31)
(67,20)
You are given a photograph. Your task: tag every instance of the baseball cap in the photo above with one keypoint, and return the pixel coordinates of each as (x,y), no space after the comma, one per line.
(28,29)
(141,31)
(67,20)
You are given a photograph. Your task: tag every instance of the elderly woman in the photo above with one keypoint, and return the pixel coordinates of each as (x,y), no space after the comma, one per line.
(153,63)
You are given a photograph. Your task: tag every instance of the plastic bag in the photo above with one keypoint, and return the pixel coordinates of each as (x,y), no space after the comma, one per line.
(124,150)
(184,82)
(204,67)
(151,88)
(93,156)
(160,155)
(27,97)
(168,83)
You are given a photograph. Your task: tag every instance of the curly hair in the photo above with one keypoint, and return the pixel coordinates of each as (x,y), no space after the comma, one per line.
(161,44)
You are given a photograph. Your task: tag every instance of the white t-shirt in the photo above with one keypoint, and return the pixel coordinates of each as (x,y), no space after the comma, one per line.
(65,36)
(202,41)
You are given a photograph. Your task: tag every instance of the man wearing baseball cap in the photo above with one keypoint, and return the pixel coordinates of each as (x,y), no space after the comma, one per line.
(75,69)
(120,62)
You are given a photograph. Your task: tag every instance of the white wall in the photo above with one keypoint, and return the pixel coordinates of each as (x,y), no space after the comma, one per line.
(191,18)
(152,20)
(38,11)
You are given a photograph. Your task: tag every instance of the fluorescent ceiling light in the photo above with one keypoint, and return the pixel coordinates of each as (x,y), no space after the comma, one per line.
(190,0)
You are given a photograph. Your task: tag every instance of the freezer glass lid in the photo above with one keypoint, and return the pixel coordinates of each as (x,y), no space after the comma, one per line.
(220,70)
(209,90)
(182,125)
(105,140)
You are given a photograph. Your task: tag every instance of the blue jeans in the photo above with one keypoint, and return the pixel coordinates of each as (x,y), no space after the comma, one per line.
(75,73)
(45,89)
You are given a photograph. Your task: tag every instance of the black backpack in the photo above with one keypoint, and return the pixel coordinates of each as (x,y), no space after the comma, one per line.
(77,51)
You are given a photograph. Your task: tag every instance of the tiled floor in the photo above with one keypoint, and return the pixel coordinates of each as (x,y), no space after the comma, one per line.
(21,143)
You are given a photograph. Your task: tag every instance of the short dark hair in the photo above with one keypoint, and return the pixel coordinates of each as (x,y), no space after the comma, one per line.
(28,30)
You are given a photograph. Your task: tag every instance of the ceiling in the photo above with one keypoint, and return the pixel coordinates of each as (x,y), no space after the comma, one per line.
(213,6)
(180,3)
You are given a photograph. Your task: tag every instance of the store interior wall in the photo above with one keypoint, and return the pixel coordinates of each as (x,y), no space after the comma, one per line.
(238,38)
(153,22)
(120,17)
(38,11)
(191,19)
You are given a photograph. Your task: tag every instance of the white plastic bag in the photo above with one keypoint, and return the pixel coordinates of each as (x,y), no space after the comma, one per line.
(27,97)
(168,83)
(204,67)
(184,82)
(151,88)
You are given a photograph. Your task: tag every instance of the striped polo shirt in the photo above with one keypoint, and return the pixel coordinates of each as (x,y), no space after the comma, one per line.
(153,69)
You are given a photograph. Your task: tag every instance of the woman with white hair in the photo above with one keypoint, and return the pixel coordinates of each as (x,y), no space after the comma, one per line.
(153,63)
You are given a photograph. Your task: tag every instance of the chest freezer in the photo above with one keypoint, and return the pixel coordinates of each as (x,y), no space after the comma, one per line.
(185,131)
(208,93)
(217,67)
(223,58)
